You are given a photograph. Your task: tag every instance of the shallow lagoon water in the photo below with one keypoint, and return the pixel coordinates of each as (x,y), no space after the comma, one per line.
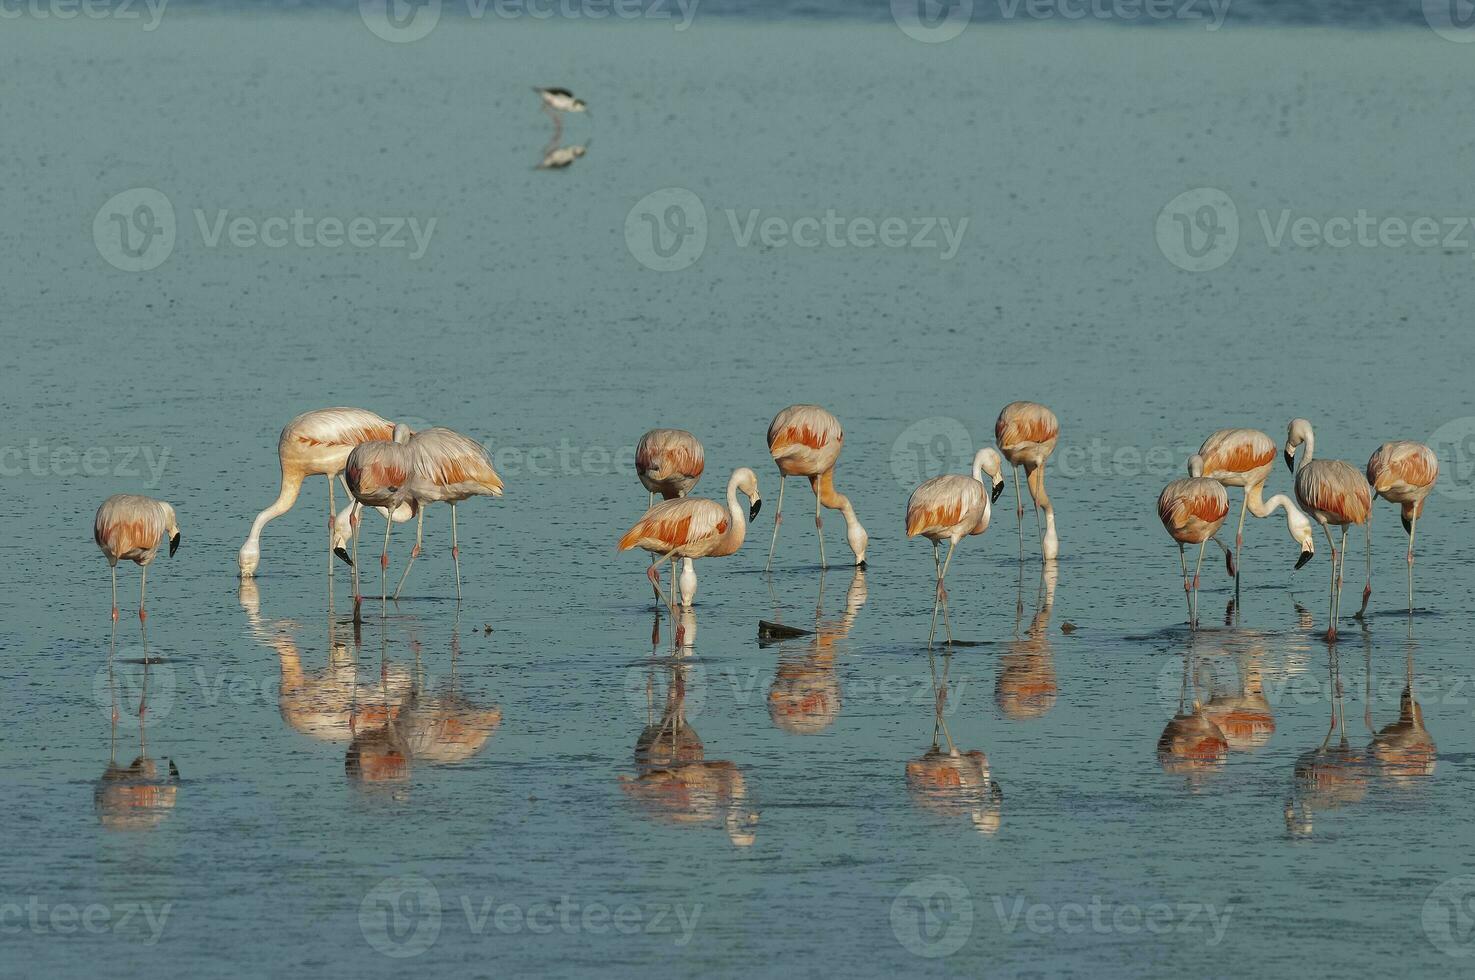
(530,323)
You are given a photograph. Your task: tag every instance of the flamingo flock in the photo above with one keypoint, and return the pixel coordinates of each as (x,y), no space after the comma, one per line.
(398,472)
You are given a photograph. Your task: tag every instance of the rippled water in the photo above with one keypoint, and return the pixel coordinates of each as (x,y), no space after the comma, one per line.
(562,789)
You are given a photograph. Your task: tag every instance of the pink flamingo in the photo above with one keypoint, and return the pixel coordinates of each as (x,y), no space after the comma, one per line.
(448,467)
(1026,433)
(378,475)
(1401,472)
(694,527)
(313,443)
(669,462)
(129,528)
(1332,492)
(1193,511)
(805,440)
(952,506)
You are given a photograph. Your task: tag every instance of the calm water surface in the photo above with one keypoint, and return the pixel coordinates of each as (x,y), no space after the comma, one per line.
(563,790)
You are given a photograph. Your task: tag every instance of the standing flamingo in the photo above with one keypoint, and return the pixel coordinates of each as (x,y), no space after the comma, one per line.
(128,528)
(1332,492)
(378,474)
(669,462)
(1244,458)
(1193,511)
(448,467)
(1404,473)
(805,440)
(694,527)
(313,443)
(1026,433)
(952,506)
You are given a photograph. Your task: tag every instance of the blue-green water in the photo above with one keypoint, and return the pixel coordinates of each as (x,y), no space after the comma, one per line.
(535,321)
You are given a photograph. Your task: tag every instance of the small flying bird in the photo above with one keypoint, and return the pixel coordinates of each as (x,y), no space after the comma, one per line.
(805,440)
(694,527)
(1026,433)
(1401,472)
(311,444)
(669,462)
(558,100)
(952,506)
(378,474)
(1193,511)
(1244,458)
(129,528)
(1332,492)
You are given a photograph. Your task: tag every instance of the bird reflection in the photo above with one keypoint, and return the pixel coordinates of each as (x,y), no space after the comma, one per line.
(441,727)
(1241,710)
(1332,775)
(804,698)
(1191,744)
(1026,685)
(1403,752)
(674,780)
(557,157)
(948,782)
(140,795)
(378,757)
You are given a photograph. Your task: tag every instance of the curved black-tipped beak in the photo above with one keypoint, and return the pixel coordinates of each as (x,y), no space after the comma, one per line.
(998,489)
(860,565)
(1407,527)
(174,543)
(1305,557)
(1290,459)
(342,552)
(753,510)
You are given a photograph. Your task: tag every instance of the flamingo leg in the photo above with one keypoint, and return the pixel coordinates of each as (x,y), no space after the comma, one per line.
(115,592)
(941,597)
(1238,556)
(778,519)
(142,587)
(1187,594)
(455,551)
(384,562)
(819,529)
(1039,521)
(1196,569)
(414,552)
(1341,569)
(1331,609)
(1019,511)
(353,523)
(1413,525)
(650,500)
(1367,590)
(655,579)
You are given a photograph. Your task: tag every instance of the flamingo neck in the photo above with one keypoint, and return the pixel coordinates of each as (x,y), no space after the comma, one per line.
(291,484)
(824,489)
(1310,446)
(737,529)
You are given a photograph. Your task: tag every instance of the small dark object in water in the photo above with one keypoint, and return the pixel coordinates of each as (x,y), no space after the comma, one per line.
(778,631)
(486,629)
(1067,627)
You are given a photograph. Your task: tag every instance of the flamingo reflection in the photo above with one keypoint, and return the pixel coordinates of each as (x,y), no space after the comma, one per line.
(805,697)
(140,795)
(946,781)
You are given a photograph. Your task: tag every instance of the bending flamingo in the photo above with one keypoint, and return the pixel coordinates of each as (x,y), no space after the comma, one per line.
(378,475)
(449,467)
(694,527)
(1193,511)
(952,506)
(1026,433)
(311,444)
(129,528)
(805,440)
(1244,458)
(669,462)
(1401,472)
(1332,492)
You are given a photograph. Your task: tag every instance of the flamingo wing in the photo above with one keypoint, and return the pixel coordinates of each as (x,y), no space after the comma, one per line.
(1402,467)
(664,453)
(1334,488)
(128,527)
(800,430)
(1023,423)
(336,427)
(943,503)
(678,523)
(451,465)
(1229,452)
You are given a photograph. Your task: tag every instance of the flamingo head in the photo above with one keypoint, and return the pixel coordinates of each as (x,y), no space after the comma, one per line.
(989,461)
(1195,465)
(248,558)
(1297,432)
(171,527)
(1300,528)
(746,483)
(858,539)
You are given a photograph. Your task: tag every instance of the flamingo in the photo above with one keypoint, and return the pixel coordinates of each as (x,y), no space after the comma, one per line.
(952,506)
(313,443)
(379,474)
(669,462)
(129,528)
(805,440)
(1401,472)
(694,527)
(1244,458)
(1026,433)
(1193,511)
(448,467)
(1332,492)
